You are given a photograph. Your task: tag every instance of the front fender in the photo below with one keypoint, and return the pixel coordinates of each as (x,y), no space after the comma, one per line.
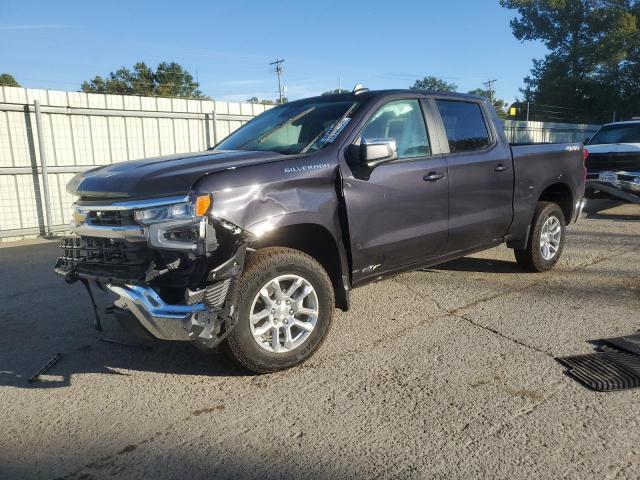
(271,197)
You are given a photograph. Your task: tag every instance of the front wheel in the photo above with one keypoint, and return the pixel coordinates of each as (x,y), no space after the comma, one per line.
(546,239)
(285,307)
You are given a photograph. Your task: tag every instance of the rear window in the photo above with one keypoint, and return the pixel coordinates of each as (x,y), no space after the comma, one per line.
(623,133)
(465,126)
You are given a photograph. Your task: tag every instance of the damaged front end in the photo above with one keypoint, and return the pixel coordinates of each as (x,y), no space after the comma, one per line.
(172,265)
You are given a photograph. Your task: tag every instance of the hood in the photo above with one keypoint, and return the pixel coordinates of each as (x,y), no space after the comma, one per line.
(161,176)
(614,148)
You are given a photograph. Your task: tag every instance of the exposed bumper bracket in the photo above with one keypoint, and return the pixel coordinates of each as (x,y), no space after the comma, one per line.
(164,321)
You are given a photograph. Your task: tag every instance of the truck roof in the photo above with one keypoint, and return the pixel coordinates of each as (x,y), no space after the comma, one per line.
(368,94)
(627,122)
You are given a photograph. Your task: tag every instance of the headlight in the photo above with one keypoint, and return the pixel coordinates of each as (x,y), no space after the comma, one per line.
(179,211)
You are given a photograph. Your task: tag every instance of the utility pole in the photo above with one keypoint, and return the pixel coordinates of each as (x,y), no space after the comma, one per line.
(527,111)
(277,67)
(340,84)
(489,85)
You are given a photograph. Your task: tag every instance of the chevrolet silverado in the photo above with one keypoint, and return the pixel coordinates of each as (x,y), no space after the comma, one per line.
(251,245)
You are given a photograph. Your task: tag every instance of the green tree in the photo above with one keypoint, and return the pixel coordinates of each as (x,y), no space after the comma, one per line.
(7,80)
(434,84)
(168,80)
(592,67)
(499,104)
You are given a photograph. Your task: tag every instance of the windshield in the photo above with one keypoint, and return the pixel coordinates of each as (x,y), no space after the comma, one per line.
(292,128)
(617,134)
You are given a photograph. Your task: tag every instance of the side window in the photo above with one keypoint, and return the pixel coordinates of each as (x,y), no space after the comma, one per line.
(465,126)
(402,121)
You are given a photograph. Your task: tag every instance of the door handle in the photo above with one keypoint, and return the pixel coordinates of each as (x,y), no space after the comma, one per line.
(501,168)
(433,177)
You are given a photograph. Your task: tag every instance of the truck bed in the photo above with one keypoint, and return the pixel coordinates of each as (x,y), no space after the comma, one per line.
(536,166)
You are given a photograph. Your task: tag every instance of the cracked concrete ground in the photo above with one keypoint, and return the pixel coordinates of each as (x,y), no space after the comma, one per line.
(443,373)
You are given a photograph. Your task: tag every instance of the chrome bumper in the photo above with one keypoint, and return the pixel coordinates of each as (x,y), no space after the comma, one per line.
(162,320)
(129,233)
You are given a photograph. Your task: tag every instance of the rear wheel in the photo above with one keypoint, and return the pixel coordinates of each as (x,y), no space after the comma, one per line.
(285,307)
(546,239)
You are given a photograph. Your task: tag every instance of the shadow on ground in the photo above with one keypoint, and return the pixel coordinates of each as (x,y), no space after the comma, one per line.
(40,315)
(603,209)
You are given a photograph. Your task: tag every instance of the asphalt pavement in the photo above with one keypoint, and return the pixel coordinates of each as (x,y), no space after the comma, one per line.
(450,372)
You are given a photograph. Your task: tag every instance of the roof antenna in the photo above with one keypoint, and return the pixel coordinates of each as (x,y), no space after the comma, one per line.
(359,89)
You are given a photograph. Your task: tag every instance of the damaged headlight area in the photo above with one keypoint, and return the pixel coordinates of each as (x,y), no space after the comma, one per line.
(177,226)
(171,264)
(177,212)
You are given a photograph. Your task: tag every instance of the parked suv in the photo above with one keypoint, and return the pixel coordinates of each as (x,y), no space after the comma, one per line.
(253,243)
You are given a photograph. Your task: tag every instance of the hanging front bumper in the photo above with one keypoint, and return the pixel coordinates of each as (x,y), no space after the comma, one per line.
(162,320)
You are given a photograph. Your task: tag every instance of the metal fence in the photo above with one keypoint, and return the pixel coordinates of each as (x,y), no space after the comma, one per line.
(547,132)
(47,136)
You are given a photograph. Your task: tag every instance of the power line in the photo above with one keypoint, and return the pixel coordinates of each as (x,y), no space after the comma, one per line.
(277,66)
(489,85)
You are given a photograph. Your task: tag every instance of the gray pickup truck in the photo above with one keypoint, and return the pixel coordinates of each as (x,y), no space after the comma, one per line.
(251,245)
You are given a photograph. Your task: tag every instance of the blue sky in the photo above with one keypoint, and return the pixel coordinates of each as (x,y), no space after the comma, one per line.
(382,44)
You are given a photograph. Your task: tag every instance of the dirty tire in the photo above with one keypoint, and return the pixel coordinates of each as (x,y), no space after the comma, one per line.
(262,266)
(531,257)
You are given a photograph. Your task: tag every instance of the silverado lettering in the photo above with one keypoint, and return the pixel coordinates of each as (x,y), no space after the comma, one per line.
(305,168)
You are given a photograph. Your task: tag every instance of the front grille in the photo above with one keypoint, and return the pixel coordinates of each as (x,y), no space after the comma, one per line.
(598,162)
(111,218)
(105,259)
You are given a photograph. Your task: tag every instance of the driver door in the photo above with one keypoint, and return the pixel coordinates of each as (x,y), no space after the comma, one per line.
(398,212)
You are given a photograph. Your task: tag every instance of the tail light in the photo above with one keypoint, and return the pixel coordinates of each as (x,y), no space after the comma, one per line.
(585,155)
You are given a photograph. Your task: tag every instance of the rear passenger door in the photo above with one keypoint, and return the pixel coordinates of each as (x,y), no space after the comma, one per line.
(480,175)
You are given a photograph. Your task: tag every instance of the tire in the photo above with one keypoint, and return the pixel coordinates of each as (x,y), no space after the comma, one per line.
(262,269)
(533,258)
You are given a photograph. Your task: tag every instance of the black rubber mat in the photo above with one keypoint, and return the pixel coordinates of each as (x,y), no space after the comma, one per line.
(629,343)
(605,371)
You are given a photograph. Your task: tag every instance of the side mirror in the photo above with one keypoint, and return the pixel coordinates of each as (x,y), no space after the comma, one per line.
(375,151)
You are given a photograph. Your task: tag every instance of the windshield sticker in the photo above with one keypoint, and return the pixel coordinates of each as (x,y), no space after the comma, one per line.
(331,135)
